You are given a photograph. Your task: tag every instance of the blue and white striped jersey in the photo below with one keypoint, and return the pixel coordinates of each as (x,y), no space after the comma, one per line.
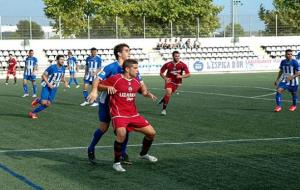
(92,65)
(288,68)
(72,63)
(54,74)
(30,64)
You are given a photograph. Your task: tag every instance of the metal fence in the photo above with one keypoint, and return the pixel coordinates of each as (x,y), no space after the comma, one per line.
(133,27)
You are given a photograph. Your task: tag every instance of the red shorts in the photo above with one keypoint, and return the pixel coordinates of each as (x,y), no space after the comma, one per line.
(129,123)
(171,85)
(11,72)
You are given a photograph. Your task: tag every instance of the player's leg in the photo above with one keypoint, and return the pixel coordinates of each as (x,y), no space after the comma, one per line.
(25,87)
(166,99)
(75,81)
(278,97)
(85,93)
(294,93)
(34,86)
(149,133)
(70,80)
(15,77)
(120,137)
(7,77)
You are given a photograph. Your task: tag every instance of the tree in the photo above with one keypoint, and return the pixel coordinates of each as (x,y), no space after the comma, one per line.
(288,18)
(23,30)
(158,13)
(238,30)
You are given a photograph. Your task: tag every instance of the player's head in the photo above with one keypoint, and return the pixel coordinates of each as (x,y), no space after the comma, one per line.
(10,55)
(93,51)
(176,56)
(60,59)
(130,66)
(30,53)
(70,53)
(289,54)
(122,51)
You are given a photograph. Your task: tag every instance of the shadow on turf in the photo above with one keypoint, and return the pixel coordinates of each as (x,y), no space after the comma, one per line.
(21,115)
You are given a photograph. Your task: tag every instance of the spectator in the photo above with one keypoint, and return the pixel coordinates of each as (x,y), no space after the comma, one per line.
(197,43)
(181,43)
(165,44)
(159,44)
(188,44)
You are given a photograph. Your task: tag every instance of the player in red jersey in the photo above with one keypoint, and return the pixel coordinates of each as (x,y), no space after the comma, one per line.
(12,69)
(124,114)
(173,78)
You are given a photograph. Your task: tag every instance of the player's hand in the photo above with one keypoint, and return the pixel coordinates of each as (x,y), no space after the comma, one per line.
(178,76)
(92,97)
(167,80)
(111,90)
(152,96)
(289,78)
(50,86)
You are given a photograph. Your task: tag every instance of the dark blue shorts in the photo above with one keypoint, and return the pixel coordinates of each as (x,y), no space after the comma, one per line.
(48,94)
(290,88)
(103,111)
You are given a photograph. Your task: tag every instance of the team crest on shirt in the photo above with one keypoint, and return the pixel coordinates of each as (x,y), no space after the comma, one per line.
(130,89)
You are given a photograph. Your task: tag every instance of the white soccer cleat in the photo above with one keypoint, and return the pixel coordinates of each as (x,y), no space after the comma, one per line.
(163,112)
(77,86)
(69,86)
(6,83)
(149,158)
(25,95)
(34,96)
(94,104)
(118,167)
(84,103)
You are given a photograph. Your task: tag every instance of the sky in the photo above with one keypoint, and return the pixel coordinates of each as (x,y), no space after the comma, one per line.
(12,10)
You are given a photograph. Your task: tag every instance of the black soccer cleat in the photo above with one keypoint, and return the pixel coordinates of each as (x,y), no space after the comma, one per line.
(161,101)
(92,158)
(126,160)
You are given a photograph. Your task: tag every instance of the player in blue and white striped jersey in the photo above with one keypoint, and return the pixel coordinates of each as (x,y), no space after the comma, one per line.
(73,68)
(51,78)
(30,72)
(92,68)
(287,79)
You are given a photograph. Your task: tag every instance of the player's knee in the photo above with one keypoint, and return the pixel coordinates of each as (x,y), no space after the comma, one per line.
(151,134)
(103,127)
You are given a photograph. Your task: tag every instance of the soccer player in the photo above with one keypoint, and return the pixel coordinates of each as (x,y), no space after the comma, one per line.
(50,82)
(12,69)
(30,72)
(92,68)
(287,79)
(73,68)
(173,78)
(125,117)
(122,53)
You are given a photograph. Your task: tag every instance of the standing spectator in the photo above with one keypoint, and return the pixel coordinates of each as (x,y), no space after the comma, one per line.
(188,44)
(197,43)
(159,44)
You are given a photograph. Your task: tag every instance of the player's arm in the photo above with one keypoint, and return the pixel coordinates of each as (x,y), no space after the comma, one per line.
(94,92)
(15,66)
(278,76)
(146,93)
(106,86)
(186,72)
(64,81)
(45,78)
(162,73)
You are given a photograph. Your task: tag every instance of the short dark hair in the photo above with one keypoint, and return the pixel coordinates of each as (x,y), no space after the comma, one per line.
(70,52)
(58,57)
(175,52)
(93,48)
(118,49)
(129,63)
(288,50)
(31,50)
(10,54)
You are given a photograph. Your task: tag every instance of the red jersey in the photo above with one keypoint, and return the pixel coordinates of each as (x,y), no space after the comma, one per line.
(173,70)
(122,103)
(11,64)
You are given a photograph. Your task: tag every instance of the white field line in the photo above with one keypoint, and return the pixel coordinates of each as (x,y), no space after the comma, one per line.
(264,95)
(161,144)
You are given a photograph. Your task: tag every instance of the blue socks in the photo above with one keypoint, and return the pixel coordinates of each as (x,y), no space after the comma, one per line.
(25,88)
(76,82)
(85,95)
(40,108)
(97,136)
(295,100)
(278,99)
(34,88)
(70,81)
